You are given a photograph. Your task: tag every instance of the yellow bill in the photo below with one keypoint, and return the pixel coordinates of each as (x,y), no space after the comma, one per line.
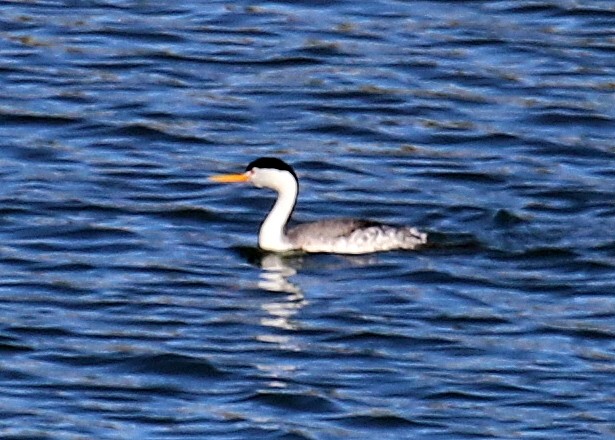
(229,178)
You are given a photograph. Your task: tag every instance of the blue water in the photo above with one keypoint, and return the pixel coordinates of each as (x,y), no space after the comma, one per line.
(135,304)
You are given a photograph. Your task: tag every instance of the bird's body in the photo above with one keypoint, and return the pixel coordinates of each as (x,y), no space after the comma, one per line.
(340,236)
(350,236)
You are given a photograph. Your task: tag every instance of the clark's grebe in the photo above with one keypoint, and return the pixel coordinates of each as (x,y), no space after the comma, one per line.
(340,236)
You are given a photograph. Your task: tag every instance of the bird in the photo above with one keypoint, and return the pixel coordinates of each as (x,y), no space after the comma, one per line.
(336,236)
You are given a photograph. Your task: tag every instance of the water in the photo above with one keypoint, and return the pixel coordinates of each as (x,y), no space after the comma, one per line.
(134,304)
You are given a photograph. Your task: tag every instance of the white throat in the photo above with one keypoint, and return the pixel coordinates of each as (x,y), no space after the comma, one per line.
(272,236)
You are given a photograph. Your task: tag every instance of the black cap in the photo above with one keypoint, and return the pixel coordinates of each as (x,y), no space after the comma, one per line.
(271,163)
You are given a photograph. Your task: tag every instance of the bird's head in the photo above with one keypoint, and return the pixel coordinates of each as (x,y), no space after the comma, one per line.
(265,172)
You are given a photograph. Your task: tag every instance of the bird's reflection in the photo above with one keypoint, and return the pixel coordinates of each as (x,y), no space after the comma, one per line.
(276,269)
(274,277)
(275,273)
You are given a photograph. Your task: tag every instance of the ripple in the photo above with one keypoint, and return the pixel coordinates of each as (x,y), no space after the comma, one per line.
(381,420)
(11,346)
(302,402)
(172,365)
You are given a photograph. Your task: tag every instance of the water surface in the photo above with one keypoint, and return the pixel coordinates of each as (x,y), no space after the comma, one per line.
(134,303)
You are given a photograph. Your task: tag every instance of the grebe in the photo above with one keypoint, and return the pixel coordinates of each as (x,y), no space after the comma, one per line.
(340,236)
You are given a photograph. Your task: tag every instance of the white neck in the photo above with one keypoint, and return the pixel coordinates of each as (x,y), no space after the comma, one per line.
(271,236)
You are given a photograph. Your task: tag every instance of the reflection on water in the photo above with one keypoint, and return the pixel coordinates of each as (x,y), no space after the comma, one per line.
(274,278)
(277,271)
(281,309)
(275,274)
